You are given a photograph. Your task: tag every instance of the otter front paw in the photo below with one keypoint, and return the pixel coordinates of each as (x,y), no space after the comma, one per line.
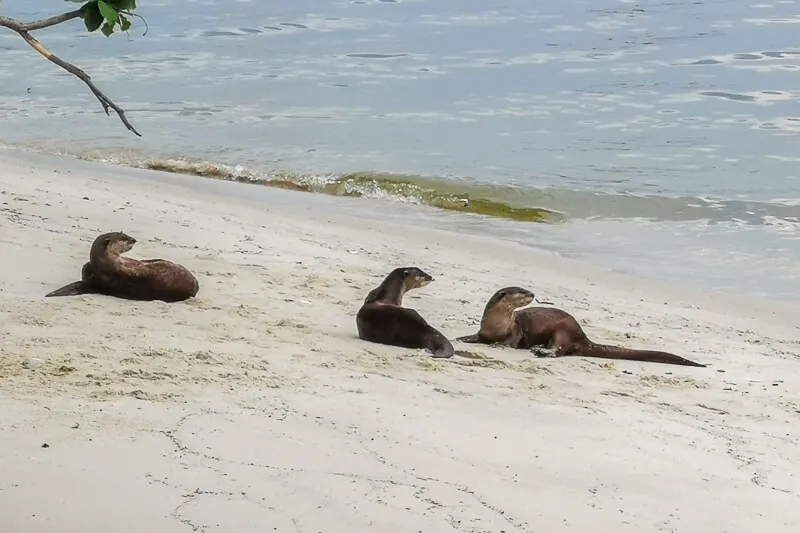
(540,351)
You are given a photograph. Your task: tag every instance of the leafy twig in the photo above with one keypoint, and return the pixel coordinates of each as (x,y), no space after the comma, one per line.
(88,12)
(137,15)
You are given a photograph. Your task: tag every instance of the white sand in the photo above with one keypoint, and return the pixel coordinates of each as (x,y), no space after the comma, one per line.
(255,408)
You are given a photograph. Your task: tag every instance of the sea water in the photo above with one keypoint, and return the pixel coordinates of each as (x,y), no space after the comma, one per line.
(656,138)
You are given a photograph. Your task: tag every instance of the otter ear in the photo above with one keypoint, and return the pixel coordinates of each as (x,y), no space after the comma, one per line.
(107,241)
(406,272)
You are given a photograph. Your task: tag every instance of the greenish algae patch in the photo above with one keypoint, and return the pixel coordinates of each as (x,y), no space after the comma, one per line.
(441,194)
(362,184)
(290,185)
(498,209)
(195,169)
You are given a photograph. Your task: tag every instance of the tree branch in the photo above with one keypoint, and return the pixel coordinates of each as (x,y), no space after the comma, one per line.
(18,25)
(23,29)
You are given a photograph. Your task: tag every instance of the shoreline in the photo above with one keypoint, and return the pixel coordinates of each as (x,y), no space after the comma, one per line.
(391,218)
(625,255)
(255,406)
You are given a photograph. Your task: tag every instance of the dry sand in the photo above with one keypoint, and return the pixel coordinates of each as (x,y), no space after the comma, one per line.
(255,408)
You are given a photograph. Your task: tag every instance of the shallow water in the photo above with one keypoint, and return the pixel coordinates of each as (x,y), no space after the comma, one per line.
(663,134)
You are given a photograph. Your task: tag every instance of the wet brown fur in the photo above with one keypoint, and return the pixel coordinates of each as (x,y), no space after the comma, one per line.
(107,272)
(548,331)
(383,320)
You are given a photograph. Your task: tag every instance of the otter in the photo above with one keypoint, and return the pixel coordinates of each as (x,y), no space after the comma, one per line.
(383,320)
(549,332)
(108,273)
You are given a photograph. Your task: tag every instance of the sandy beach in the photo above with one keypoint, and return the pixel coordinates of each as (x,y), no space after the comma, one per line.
(255,407)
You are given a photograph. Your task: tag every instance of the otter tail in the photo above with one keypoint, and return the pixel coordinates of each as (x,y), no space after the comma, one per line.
(617,352)
(440,346)
(73,289)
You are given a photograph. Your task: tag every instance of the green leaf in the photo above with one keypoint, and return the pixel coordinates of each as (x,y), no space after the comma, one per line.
(92,18)
(122,5)
(124,24)
(108,12)
(107,29)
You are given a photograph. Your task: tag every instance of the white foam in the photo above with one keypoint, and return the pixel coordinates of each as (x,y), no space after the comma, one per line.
(762,21)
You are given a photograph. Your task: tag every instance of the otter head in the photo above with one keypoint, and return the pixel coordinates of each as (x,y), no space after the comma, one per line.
(510,298)
(413,277)
(113,244)
(397,283)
